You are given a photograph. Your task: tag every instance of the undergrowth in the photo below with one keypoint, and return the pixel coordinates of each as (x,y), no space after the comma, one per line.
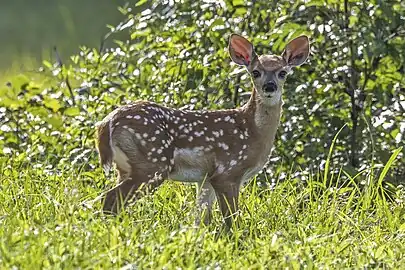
(52,220)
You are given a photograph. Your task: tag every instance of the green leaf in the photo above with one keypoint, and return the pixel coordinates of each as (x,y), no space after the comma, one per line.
(53,104)
(72,111)
(388,165)
(140,3)
(55,121)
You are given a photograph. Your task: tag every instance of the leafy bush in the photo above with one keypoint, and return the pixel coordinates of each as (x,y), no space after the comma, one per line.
(176,54)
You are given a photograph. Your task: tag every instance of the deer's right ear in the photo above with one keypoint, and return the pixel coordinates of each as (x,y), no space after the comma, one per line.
(241,50)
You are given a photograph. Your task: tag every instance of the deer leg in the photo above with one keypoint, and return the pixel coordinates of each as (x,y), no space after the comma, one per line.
(136,185)
(205,199)
(227,195)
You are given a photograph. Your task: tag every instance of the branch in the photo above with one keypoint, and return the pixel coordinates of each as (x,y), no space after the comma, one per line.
(60,64)
(352,83)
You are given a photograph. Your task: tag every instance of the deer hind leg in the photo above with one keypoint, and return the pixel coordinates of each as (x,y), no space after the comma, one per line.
(205,199)
(140,176)
(146,159)
(136,185)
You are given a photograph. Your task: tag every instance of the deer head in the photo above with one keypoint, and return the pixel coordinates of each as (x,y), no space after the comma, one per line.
(268,72)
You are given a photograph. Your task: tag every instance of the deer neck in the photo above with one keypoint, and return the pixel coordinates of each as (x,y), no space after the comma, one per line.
(266,115)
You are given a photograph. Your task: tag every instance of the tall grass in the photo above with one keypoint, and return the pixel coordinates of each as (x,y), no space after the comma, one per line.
(51,220)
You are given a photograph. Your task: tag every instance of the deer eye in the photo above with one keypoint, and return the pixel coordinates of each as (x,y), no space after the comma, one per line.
(256,74)
(282,74)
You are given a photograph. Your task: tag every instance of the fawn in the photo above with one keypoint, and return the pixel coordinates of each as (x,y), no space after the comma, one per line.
(219,149)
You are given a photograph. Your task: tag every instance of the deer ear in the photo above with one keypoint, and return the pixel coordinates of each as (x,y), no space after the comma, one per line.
(296,51)
(241,50)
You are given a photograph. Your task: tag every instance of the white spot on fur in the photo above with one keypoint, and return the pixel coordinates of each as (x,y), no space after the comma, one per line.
(199,134)
(223,146)
(137,117)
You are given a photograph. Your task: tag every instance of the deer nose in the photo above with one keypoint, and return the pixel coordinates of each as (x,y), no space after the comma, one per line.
(270,87)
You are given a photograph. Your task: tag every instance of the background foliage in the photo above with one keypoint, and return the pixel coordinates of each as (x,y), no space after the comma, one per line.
(177,55)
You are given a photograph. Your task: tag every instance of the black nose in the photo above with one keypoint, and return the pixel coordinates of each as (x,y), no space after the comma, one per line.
(270,87)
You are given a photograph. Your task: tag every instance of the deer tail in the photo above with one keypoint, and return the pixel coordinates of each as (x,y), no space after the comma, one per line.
(104,144)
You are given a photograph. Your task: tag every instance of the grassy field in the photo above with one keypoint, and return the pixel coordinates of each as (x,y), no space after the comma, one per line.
(52,220)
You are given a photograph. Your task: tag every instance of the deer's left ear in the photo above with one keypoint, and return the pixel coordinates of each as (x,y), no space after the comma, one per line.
(241,50)
(296,51)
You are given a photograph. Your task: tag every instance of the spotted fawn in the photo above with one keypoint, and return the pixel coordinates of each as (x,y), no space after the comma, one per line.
(219,149)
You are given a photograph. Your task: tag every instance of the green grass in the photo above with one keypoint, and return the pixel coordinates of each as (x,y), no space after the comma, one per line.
(51,220)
